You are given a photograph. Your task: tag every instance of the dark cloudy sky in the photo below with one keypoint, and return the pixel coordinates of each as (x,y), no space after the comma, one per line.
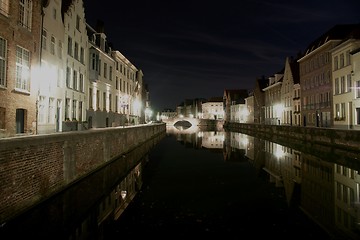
(196,49)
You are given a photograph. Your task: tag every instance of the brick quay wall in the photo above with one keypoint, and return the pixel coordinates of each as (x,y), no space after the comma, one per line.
(33,168)
(340,138)
(336,145)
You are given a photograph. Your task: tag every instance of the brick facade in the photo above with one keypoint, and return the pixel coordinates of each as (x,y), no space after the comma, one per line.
(27,36)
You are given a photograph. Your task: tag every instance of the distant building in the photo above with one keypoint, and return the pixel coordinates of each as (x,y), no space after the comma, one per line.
(273,104)
(234,104)
(259,100)
(213,108)
(290,93)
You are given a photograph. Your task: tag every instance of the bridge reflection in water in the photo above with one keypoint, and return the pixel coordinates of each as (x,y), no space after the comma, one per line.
(325,189)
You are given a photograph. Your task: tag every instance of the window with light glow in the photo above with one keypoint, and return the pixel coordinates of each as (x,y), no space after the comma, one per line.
(22,69)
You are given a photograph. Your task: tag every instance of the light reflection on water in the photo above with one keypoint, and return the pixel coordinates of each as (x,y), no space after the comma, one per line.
(325,189)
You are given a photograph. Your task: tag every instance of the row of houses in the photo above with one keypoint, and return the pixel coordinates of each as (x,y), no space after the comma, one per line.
(320,88)
(58,73)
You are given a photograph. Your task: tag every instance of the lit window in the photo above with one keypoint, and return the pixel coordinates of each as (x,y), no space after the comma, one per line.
(22,69)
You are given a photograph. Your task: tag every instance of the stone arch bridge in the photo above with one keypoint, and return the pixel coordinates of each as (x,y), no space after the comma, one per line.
(174,120)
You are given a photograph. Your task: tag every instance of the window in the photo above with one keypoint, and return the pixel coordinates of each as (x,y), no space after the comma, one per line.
(3,50)
(105,70)
(104,101)
(342,84)
(67,109)
(342,60)
(74,110)
(42,109)
(110,73)
(44,39)
(358,116)
(342,114)
(60,49)
(348,58)
(336,63)
(81,82)
(4,7)
(80,111)
(25,12)
(82,55)
(110,102)
(68,75)
(90,98)
(78,22)
(51,115)
(22,69)
(76,51)
(348,83)
(97,99)
(74,80)
(52,46)
(358,89)
(70,46)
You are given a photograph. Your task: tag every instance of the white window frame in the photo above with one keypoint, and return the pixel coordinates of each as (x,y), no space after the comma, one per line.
(25,13)
(3,63)
(22,69)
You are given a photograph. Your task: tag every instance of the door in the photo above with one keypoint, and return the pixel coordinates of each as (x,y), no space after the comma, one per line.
(20,120)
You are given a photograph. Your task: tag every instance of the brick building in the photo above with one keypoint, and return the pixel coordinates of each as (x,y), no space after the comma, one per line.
(20,25)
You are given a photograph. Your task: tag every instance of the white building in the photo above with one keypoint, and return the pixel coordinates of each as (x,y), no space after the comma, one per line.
(289,104)
(51,99)
(344,94)
(61,99)
(213,109)
(355,57)
(76,65)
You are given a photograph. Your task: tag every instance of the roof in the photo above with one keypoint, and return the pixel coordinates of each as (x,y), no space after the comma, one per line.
(337,32)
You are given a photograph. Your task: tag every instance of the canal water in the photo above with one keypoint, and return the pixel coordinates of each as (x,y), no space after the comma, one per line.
(210,184)
(232,185)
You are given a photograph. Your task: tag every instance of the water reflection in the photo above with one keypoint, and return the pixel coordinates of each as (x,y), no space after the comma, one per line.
(85,209)
(326,189)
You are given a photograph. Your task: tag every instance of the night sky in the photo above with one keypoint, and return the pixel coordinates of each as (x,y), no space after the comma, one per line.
(196,49)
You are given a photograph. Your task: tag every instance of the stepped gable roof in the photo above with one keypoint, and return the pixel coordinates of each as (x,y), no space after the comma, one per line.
(294,66)
(337,32)
(65,5)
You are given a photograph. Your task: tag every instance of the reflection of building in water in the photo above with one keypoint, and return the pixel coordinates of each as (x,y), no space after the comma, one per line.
(274,162)
(347,206)
(213,139)
(283,164)
(235,147)
(317,190)
(110,207)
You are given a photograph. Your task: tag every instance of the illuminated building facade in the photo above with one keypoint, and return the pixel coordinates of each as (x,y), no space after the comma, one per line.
(20,26)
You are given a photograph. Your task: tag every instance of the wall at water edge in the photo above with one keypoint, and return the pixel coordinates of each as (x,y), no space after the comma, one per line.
(32,168)
(340,138)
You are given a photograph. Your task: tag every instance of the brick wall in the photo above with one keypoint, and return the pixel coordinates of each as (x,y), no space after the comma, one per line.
(33,168)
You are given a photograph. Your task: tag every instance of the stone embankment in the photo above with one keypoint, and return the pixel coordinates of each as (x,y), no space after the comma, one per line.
(340,138)
(33,168)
